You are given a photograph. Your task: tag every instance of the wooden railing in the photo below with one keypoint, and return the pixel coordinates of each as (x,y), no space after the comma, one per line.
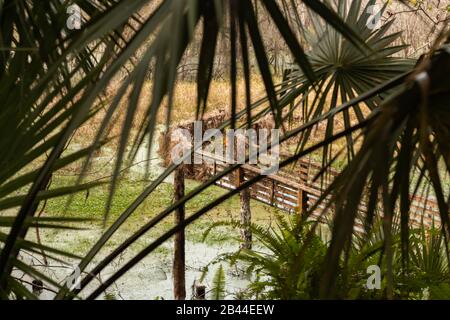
(294,190)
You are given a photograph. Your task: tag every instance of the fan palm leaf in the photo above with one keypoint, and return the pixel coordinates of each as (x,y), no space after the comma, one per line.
(53,80)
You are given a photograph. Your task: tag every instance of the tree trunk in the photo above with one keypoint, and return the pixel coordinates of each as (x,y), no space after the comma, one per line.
(246,216)
(179,282)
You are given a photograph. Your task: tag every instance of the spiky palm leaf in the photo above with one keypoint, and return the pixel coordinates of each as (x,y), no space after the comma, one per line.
(58,87)
(47,82)
(284,267)
(405,143)
(52,81)
(430,263)
(182,17)
(344,71)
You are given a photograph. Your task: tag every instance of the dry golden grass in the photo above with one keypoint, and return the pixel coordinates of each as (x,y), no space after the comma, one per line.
(185,99)
(183,107)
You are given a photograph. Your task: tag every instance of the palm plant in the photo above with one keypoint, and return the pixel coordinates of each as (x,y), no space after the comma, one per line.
(403,139)
(285,267)
(279,266)
(344,72)
(282,266)
(424,275)
(52,80)
(44,71)
(429,264)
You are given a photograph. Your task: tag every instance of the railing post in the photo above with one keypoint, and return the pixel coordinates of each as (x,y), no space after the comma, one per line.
(272,192)
(246,215)
(302,201)
(179,281)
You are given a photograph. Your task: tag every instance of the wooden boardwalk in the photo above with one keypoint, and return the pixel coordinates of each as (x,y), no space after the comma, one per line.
(294,191)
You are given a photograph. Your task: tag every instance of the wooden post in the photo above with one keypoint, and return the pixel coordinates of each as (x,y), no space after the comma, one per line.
(179,281)
(302,201)
(305,199)
(246,215)
(272,193)
(37,287)
(200,292)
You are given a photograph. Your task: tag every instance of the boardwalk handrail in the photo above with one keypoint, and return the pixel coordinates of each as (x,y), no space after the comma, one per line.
(295,193)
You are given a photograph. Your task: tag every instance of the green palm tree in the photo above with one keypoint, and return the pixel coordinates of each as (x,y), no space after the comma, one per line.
(285,266)
(288,261)
(404,139)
